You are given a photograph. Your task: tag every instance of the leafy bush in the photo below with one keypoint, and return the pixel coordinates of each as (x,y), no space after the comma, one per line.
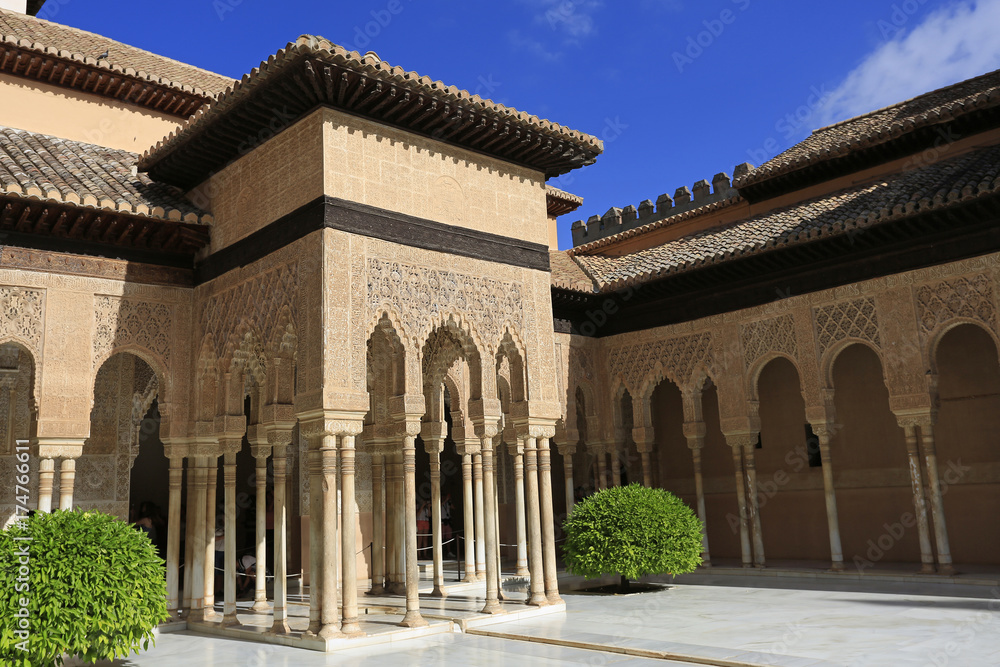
(94,588)
(632,531)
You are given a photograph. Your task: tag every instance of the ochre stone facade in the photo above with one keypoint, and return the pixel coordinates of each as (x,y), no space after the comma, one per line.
(335,283)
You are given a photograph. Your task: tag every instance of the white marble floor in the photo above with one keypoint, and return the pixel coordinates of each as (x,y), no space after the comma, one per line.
(785,624)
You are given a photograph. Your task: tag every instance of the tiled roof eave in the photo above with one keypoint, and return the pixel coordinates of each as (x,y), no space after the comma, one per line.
(312,72)
(89,201)
(980,95)
(40,217)
(31,60)
(846,228)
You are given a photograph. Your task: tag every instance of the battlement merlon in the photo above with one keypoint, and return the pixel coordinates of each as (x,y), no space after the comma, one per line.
(617,220)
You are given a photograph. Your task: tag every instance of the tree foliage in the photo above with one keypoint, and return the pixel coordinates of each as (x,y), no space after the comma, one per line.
(94,588)
(632,531)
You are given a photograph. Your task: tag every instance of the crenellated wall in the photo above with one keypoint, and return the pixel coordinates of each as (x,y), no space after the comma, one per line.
(685,199)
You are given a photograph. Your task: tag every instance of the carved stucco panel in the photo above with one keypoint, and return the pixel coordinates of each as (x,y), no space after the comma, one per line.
(766,336)
(122,322)
(856,318)
(22,316)
(969,297)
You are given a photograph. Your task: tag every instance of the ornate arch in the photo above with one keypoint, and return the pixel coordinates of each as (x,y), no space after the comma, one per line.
(933,341)
(830,359)
(753,374)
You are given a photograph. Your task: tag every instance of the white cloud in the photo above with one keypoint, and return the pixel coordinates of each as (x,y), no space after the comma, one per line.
(954,43)
(532,47)
(572,18)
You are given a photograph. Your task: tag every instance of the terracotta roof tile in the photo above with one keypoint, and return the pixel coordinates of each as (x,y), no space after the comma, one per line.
(881,126)
(936,186)
(370,65)
(38,165)
(567,274)
(73,44)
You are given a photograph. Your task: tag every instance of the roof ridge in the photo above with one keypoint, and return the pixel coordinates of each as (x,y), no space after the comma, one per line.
(867,114)
(51,47)
(95,34)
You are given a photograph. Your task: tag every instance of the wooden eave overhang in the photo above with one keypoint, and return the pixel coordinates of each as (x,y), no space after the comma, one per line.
(30,60)
(313,73)
(59,226)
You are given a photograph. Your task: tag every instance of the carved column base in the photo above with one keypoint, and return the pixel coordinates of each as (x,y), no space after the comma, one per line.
(261,607)
(495,608)
(331,632)
(413,619)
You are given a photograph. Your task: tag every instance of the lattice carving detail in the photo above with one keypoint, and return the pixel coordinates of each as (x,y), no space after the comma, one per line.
(259,301)
(969,297)
(847,319)
(764,336)
(22,315)
(420,294)
(122,322)
(678,357)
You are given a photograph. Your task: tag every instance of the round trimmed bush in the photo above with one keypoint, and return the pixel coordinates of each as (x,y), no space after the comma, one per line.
(93,587)
(632,531)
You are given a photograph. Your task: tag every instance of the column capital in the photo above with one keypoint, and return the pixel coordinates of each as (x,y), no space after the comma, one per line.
(55,448)
(516,448)
(207,447)
(319,423)
(644,438)
(744,439)
(566,449)
(921,417)
(470,447)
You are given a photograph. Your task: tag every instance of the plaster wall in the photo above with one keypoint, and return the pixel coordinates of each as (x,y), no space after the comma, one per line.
(60,112)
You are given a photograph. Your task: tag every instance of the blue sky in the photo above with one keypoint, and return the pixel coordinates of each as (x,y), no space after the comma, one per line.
(679,90)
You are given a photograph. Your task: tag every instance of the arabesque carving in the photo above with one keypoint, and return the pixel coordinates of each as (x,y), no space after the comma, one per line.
(847,319)
(963,297)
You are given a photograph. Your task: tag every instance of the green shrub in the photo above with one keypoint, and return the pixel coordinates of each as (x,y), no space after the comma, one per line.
(632,531)
(95,589)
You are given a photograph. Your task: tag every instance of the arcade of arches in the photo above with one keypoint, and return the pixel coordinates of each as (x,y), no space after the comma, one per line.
(332,341)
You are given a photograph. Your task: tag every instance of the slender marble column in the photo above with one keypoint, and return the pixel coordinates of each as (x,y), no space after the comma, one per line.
(741,499)
(548,522)
(937,503)
(189,534)
(316,589)
(280,625)
(919,503)
(378,527)
(229,586)
(197,507)
(329,621)
(412,619)
(67,478)
(469,515)
(602,470)
(567,452)
(492,605)
(349,568)
(829,494)
(532,511)
(175,479)
(477,476)
(435,457)
(46,475)
(397,524)
(754,505)
(210,496)
(260,582)
(517,451)
(616,465)
(699,489)
(647,469)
